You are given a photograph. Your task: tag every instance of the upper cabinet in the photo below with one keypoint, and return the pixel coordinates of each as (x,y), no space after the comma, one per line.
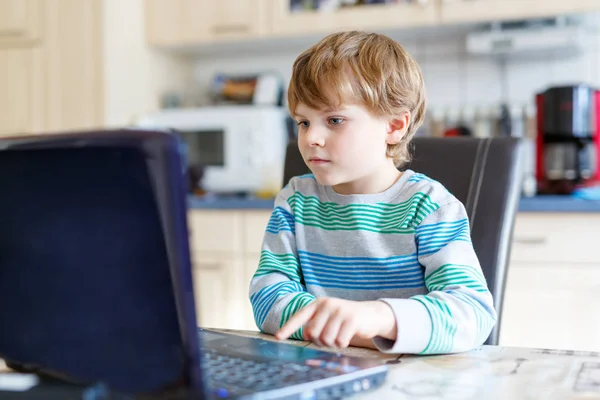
(19,22)
(50,65)
(469,11)
(189,22)
(373,16)
(174,23)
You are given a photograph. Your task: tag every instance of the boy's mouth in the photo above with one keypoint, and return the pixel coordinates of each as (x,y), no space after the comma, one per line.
(317,160)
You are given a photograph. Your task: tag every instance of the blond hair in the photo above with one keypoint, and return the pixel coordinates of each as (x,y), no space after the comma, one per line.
(361,68)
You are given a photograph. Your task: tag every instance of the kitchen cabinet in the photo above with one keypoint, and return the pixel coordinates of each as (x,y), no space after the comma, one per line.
(19,22)
(189,22)
(16,77)
(374,16)
(225,249)
(473,11)
(552,305)
(552,295)
(54,83)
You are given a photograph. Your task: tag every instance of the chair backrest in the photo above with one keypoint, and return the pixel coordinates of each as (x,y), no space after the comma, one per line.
(484,174)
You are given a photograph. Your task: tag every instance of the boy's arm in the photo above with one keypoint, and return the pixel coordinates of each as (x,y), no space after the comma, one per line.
(458,312)
(277,289)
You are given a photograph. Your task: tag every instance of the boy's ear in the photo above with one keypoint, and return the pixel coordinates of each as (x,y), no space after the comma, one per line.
(398,127)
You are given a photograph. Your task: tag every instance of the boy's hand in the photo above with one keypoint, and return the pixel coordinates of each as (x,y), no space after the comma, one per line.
(336,322)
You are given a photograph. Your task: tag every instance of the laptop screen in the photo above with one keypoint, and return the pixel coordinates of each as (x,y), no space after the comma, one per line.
(84,274)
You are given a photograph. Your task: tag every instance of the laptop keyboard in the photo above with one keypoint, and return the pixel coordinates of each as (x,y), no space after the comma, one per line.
(228,375)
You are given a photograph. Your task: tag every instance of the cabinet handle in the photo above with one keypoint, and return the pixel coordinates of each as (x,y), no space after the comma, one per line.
(530,240)
(233,28)
(207,266)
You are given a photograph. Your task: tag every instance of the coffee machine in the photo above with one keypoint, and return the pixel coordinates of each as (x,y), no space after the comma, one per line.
(568,138)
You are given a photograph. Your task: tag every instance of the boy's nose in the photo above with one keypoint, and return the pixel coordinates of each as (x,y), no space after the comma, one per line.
(314,137)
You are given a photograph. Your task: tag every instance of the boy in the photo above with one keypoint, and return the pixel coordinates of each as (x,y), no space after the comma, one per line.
(359,253)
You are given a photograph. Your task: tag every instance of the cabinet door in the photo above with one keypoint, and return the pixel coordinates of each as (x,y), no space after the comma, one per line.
(215,232)
(176,22)
(251,264)
(189,22)
(221,293)
(255,224)
(458,11)
(370,17)
(16,69)
(72,56)
(19,22)
(556,238)
(236,19)
(210,293)
(552,305)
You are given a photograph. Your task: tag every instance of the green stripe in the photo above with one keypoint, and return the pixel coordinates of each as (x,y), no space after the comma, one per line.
(443,327)
(297,302)
(399,218)
(456,275)
(286,264)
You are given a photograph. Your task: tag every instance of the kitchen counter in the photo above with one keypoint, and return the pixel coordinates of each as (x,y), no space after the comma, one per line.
(562,204)
(487,372)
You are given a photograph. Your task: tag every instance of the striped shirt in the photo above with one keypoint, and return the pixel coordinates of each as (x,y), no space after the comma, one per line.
(409,246)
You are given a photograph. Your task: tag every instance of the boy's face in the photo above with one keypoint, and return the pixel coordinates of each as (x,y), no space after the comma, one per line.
(345,147)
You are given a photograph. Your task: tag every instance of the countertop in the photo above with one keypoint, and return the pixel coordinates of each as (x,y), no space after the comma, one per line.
(487,372)
(559,204)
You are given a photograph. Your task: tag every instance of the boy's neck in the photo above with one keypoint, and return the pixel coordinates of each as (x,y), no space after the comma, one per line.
(378,182)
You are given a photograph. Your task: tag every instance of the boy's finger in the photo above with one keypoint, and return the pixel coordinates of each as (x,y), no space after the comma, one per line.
(294,323)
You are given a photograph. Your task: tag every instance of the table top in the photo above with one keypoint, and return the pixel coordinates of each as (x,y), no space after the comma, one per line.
(488,372)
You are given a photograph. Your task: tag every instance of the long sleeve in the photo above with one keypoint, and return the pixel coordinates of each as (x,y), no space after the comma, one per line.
(457,313)
(277,289)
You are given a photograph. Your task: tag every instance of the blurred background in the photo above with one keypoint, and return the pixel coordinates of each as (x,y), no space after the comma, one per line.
(217,71)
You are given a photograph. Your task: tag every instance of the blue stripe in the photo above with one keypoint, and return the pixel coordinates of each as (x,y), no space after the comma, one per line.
(360,270)
(366,273)
(433,237)
(332,284)
(281,220)
(307,176)
(354,260)
(433,228)
(263,300)
(357,273)
(419,177)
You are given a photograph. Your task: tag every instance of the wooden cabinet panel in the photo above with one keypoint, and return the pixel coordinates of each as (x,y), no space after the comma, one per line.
(214,231)
(221,293)
(188,22)
(16,79)
(255,223)
(556,237)
(374,16)
(19,22)
(552,305)
(467,11)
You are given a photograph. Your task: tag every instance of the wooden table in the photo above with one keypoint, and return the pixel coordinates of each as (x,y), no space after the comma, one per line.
(489,372)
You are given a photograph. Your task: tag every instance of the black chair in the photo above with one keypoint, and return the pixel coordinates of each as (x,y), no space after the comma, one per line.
(484,174)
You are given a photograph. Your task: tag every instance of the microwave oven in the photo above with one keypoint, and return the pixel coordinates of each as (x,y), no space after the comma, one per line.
(239,149)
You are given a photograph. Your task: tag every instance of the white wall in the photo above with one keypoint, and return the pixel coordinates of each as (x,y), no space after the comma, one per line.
(135,75)
(453,78)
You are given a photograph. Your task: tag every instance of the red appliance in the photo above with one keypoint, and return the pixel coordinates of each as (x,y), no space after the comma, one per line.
(568,138)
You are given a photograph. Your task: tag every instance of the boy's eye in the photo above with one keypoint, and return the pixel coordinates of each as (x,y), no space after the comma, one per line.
(336,121)
(303,123)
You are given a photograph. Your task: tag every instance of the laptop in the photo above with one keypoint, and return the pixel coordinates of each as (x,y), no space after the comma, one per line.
(96,279)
